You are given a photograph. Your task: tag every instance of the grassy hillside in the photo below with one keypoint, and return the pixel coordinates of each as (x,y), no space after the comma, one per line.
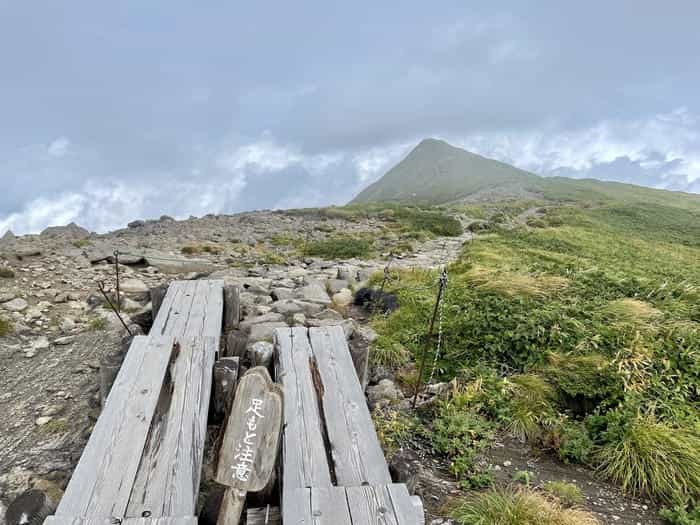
(579,333)
(437,173)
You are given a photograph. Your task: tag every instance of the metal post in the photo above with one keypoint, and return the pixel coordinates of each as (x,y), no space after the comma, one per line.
(431,327)
(116,267)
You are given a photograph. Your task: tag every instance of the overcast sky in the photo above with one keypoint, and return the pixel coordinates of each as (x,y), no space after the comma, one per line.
(113,111)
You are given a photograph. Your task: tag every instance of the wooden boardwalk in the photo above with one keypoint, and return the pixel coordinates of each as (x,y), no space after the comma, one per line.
(333,468)
(144,457)
(143,461)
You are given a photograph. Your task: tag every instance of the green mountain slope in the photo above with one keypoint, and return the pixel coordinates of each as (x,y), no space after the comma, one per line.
(435,172)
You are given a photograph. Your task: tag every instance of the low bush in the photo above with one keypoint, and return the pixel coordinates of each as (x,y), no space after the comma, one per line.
(571,442)
(681,514)
(394,429)
(97,323)
(6,272)
(340,247)
(194,249)
(5,327)
(529,405)
(649,457)
(567,493)
(517,507)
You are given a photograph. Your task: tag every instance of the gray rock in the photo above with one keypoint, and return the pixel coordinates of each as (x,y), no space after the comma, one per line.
(249,322)
(286,307)
(136,224)
(6,296)
(313,293)
(385,393)
(343,297)
(260,353)
(16,305)
(367,333)
(133,286)
(282,294)
(66,325)
(335,285)
(405,467)
(329,314)
(71,230)
(264,331)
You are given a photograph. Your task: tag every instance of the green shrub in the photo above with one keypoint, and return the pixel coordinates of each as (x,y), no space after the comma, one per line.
(434,222)
(523,477)
(460,434)
(394,429)
(571,442)
(6,272)
(517,507)
(681,514)
(97,323)
(649,457)
(567,493)
(529,405)
(5,327)
(81,243)
(340,247)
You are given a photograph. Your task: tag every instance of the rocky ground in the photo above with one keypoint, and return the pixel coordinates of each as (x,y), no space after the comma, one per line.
(61,328)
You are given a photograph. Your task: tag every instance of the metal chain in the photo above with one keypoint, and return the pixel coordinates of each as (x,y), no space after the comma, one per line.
(443,278)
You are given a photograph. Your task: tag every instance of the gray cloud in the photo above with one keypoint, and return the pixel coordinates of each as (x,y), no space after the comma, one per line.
(135,109)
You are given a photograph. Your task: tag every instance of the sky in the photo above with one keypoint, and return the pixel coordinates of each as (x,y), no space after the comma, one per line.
(115,111)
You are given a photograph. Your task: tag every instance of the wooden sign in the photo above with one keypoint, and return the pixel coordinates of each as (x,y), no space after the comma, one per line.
(251,441)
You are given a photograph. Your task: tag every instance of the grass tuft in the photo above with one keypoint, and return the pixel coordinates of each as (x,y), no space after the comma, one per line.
(567,493)
(5,327)
(6,272)
(632,311)
(340,247)
(511,284)
(655,459)
(517,507)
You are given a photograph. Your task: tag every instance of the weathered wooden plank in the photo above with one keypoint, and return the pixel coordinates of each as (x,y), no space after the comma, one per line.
(296,507)
(408,509)
(168,477)
(373,505)
(101,482)
(191,309)
(303,448)
(174,308)
(69,520)
(263,516)
(225,380)
(249,449)
(232,307)
(330,505)
(357,456)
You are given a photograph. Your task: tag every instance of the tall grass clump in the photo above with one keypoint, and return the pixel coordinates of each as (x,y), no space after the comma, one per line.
(529,406)
(5,327)
(650,457)
(517,507)
(340,247)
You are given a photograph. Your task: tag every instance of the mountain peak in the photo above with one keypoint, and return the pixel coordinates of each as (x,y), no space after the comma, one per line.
(436,172)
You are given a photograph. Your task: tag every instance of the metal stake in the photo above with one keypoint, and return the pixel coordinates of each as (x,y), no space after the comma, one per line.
(419,381)
(116,267)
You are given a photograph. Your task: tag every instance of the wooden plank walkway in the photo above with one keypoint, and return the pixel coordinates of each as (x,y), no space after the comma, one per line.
(333,468)
(144,456)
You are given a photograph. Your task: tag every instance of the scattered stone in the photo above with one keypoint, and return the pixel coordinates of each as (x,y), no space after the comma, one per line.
(67,325)
(260,353)
(43,420)
(133,286)
(6,296)
(15,305)
(313,293)
(335,285)
(385,393)
(264,331)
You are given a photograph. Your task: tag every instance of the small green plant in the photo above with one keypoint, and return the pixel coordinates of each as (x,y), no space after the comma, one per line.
(478,478)
(340,247)
(394,429)
(517,507)
(567,493)
(6,272)
(571,442)
(5,327)
(97,323)
(81,243)
(523,477)
(681,514)
(194,249)
(529,407)
(649,457)
(55,426)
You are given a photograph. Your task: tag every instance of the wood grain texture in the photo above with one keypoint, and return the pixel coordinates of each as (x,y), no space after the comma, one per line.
(191,309)
(357,455)
(303,450)
(232,307)
(168,477)
(264,434)
(101,483)
(67,520)
(263,516)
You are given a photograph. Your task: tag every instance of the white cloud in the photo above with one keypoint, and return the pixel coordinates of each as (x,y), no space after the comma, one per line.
(669,139)
(59,147)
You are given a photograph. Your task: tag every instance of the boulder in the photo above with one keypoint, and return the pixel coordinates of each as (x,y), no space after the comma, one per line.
(15,305)
(264,331)
(343,297)
(272,317)
(384,393)
(260,353)
(335,285)
(313,293)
